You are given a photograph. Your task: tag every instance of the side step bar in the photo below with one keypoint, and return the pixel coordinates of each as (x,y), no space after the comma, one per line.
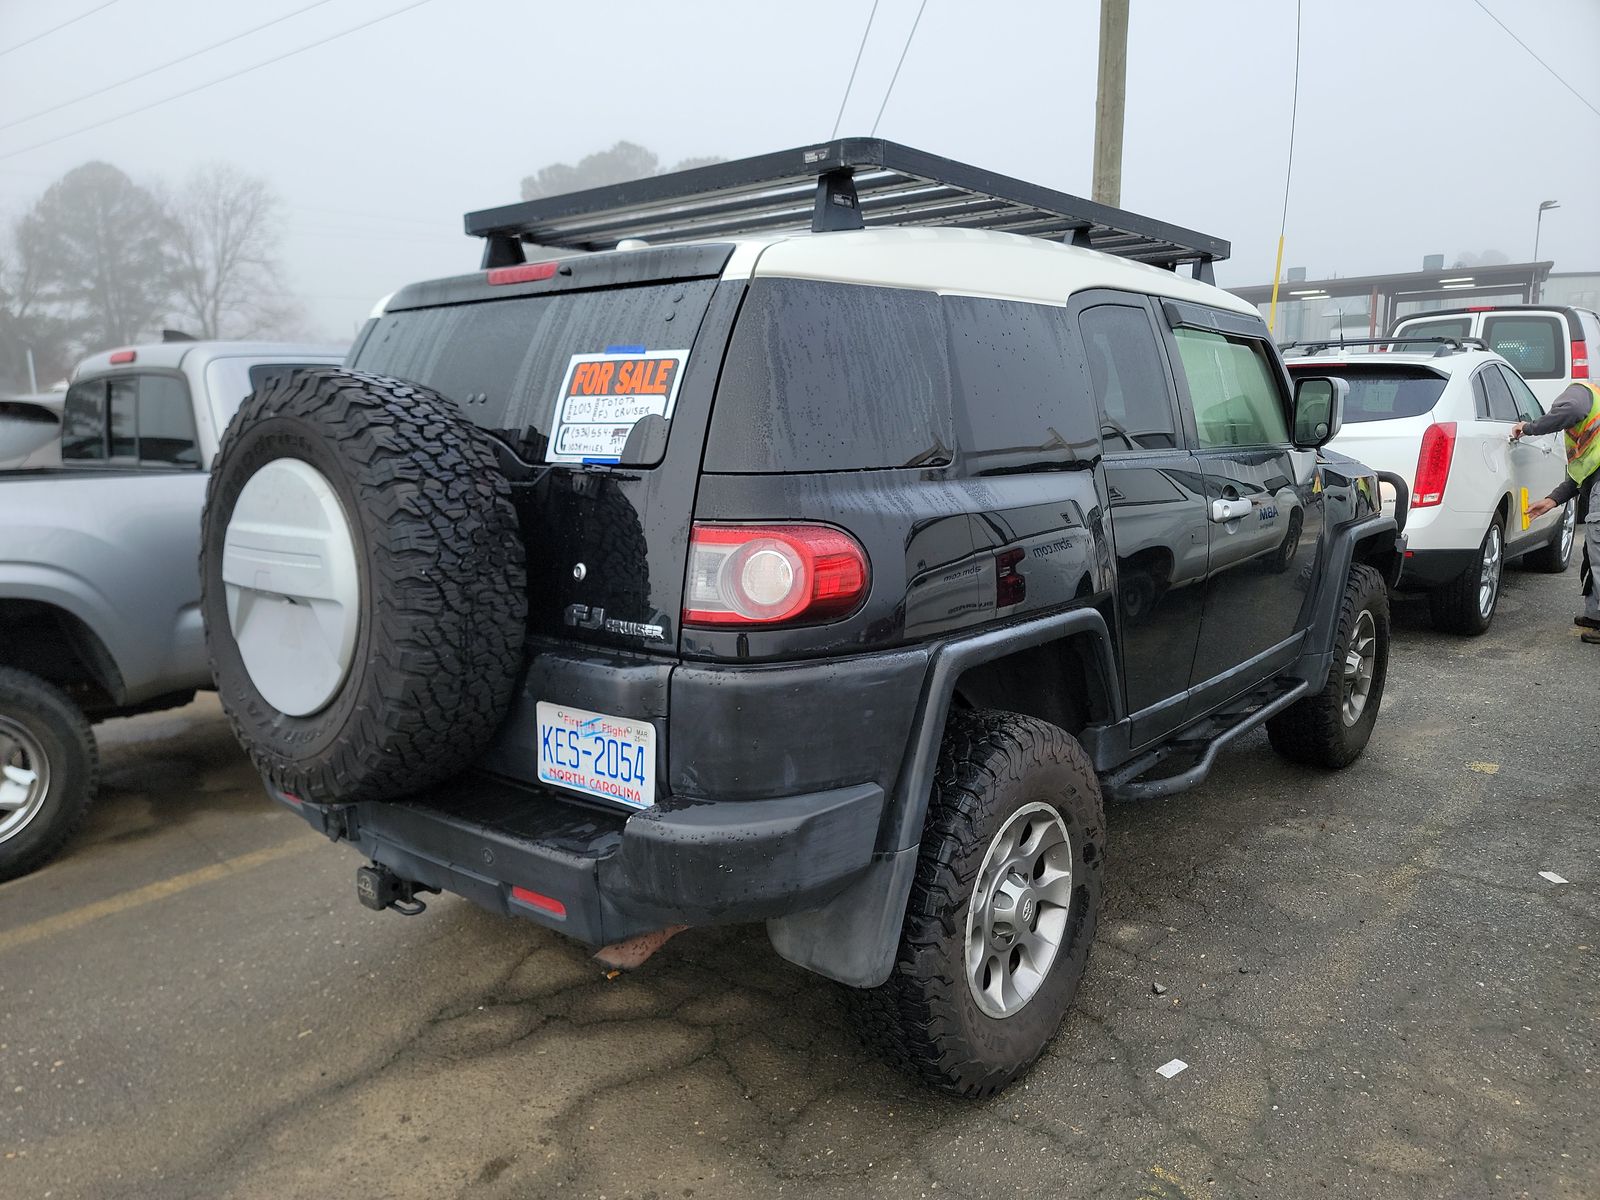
(1208,736)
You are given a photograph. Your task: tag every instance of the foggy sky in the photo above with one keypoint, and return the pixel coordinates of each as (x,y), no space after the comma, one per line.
(1423,127)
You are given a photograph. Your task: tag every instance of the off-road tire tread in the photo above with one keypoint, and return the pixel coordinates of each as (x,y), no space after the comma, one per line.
(1453,606)
(1312,731)
(448,574)
(66,815)
(908,1019)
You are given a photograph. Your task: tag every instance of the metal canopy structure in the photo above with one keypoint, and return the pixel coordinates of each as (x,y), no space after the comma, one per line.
(851,183)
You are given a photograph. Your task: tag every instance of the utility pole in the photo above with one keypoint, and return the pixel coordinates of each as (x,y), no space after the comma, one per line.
(1108,104)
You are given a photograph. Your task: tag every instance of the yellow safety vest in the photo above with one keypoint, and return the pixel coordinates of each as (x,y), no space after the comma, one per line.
(1583,441)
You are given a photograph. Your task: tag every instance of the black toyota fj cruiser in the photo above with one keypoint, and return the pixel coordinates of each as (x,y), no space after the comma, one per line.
(823,579)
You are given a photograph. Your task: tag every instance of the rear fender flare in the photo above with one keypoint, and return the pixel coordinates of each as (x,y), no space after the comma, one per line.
(854,937)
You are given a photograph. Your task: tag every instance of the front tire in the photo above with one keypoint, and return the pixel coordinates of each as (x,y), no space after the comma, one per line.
(48,769)
(1332,727)
(1002,911)
(1466,604)
(1555,557)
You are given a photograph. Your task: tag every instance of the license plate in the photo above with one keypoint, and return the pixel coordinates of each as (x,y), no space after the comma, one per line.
(610,757)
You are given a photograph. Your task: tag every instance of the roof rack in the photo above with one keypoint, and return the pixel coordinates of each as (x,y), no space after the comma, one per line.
(1447,345)
(851,183)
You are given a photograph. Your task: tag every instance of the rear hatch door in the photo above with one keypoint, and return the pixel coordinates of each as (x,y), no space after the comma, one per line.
(596,375)
(1389,406)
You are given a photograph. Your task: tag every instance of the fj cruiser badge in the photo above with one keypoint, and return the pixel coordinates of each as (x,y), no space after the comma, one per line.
(583,616)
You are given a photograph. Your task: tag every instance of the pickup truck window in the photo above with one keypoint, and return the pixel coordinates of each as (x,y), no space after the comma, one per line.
(1234,389)
(150,422)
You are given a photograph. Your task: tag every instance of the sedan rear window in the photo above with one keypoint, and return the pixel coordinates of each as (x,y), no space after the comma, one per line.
(1386,394)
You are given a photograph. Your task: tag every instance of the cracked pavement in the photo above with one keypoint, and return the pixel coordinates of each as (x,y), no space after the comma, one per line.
(1376,993)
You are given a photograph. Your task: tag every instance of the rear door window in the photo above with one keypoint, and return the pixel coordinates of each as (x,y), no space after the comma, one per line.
(1533,344)
(1456,327)
(83,423)
(1501,406)
(1234,387)
(1129,380)
(507,362)
(1387,394)
(833,377)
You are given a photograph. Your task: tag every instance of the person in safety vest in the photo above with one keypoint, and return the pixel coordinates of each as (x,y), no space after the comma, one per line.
(1577,412)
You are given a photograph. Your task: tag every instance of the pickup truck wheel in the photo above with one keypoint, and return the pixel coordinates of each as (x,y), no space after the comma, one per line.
(1554,557)
(48,766)
(1466,604)
(1332,727)
(363,585)
(1002,911)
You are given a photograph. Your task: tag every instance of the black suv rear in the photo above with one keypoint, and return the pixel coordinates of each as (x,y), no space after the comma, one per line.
(825,581)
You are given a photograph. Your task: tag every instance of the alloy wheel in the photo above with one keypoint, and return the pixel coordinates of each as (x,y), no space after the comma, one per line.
(1360,666)
(24,778)
(1489,576)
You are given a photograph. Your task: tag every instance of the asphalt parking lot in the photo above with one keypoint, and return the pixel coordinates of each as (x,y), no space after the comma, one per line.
(1375,991)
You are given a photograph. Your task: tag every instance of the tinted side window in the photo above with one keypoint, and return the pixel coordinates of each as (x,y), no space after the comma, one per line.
(1501,406)
(1528,406)
(166,422)
(1129,379)
(832,377)
(1234,388)
(1013,375)
(83,423)
(1533,345)
(1456,327)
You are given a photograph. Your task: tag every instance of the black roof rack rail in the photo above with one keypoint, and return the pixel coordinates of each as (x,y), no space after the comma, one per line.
(850,183)
(1447,345)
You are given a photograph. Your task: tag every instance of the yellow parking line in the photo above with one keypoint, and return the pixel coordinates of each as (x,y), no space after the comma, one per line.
(77,917)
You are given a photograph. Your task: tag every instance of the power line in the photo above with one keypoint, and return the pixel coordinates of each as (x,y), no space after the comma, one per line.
(845,99)
(56,28)
(1537,59)
(895,77)
(221,79)
(1288,174)
(152,70)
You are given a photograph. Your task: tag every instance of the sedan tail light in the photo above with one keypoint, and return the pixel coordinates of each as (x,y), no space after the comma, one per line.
(1433,464)
(772,574)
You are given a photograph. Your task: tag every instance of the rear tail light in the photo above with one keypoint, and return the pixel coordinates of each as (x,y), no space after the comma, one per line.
(1580,360)
(1433,464)
(772,574)
(1010,588)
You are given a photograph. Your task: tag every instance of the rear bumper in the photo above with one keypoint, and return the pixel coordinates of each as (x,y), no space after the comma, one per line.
(1426,569)
(601,876)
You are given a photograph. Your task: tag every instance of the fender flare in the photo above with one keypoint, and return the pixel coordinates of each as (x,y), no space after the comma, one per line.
(1317,657)
(853,938)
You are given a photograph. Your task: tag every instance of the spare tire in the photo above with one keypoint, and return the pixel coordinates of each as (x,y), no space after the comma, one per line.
(362,583)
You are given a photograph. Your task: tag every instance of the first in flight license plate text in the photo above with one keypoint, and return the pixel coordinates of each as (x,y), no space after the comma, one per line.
(610,757)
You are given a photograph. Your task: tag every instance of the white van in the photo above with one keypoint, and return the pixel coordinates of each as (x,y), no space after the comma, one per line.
(1549,345)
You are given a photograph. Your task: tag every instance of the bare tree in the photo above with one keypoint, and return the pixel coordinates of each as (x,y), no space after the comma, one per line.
(227,226)
(624,161)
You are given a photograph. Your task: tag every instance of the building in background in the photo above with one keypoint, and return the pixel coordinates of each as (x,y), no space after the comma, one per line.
(1366,305)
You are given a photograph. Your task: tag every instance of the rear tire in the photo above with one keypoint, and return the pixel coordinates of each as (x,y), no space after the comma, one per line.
(1555,557)
(1000,776)
(406,613)
(1330,729)
(1467,603)
(48,770)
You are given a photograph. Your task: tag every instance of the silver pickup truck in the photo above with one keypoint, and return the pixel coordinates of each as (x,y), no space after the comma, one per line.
(99,582)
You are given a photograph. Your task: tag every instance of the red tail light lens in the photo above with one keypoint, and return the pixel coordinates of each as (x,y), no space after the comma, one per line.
(1580,360)
(772,574)
(1009,587)
(526,273)
(1433,464)
(118,357)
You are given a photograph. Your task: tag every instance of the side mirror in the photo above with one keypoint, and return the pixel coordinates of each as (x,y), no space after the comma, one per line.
(1318,410)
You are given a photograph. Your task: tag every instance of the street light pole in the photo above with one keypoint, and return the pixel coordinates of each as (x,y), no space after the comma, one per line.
(1538,225)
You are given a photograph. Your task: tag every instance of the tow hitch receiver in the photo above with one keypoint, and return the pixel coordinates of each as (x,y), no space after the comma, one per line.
(379,888)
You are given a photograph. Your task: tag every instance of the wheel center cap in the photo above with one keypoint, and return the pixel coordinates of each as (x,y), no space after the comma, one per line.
(1026,911)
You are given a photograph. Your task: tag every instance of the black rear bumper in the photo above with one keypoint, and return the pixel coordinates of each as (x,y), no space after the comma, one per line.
(1428,569)
(601,875)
